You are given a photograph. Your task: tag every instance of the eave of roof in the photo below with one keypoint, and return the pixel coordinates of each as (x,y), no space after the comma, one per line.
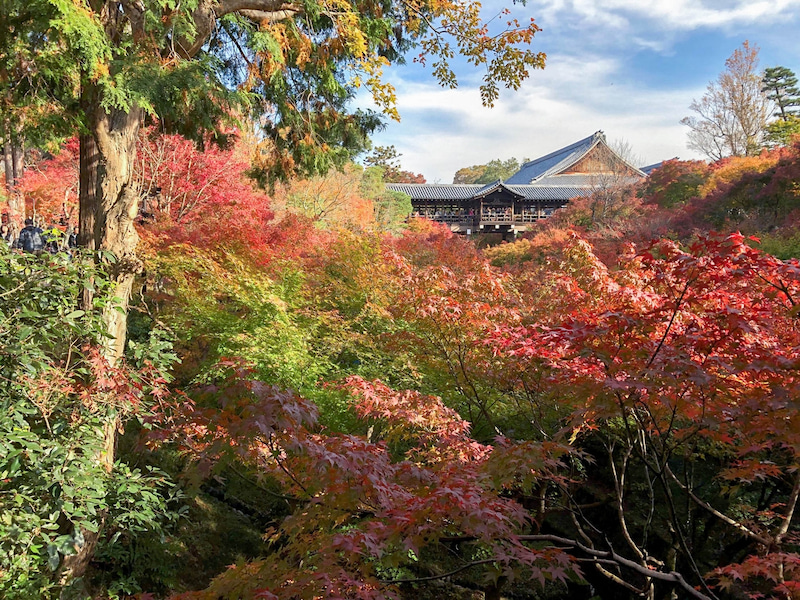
(650,168)
(437,191)
(496,186)
(461,192)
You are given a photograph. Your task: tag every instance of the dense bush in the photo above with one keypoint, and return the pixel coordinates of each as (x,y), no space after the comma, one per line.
(57,490)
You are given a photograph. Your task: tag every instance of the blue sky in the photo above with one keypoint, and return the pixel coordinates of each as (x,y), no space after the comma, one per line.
(627,67)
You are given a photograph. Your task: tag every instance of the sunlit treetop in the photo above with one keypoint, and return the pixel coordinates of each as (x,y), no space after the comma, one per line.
(295,65)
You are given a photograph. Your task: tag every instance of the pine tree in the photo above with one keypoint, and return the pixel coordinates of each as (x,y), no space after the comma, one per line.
(780,85)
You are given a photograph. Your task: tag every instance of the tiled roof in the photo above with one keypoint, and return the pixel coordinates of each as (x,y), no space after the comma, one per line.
(539,179)
(555,161)
(571,180)
(497,185)
(540,192)
(437,191)
(433,191)
(650,168)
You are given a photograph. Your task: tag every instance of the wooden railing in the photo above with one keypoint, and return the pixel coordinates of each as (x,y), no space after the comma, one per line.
(448,218)
(486,218)
(523,218)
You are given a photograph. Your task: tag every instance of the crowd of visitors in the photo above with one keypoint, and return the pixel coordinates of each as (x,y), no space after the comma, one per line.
(33,239)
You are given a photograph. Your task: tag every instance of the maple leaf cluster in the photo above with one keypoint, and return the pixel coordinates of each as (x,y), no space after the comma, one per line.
(365,513)
(590,406)
(673,371)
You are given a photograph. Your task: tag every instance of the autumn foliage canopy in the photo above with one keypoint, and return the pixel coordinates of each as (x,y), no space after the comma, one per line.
(595,409)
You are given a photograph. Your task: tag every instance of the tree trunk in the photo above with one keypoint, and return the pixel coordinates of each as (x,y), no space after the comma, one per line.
(8,159)
(109,204)
(14,167)
(492,591)
(13,156)
(18,159)
(108,207)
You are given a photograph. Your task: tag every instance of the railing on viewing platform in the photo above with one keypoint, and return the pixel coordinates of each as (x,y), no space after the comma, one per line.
(486,218)
(528,218)
(506,218)
(456,218)
(448,218)
(496,217)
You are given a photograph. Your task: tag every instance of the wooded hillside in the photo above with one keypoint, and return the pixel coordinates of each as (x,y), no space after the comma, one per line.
(343,405)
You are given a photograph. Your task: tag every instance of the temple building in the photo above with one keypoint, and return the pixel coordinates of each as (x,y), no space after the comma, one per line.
(532,193)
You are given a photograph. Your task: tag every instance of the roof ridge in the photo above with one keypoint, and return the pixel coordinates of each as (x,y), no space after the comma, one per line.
(594,138)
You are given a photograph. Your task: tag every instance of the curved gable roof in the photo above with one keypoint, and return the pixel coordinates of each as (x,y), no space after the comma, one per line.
(559,161)
(555,162)
(495,187)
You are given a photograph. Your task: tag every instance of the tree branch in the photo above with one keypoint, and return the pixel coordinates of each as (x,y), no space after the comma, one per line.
(443,575)
(601,556)
(267,7)
(736,525)
(670,577)
(271,16)
(791,506)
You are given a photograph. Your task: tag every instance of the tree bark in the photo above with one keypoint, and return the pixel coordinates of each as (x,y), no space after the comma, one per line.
(8,159)
(13,157)
(108,203)
(18,159)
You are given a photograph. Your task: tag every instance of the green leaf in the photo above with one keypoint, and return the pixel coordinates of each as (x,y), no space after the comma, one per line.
(53,557)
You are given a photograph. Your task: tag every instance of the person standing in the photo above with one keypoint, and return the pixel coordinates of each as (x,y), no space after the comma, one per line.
(30,238)
(6,220)
(6,235)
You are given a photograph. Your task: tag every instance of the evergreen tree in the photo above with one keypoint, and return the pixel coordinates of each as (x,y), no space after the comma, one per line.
(492,171)
(780,85)
(388,159)
(781,133)
(193,65)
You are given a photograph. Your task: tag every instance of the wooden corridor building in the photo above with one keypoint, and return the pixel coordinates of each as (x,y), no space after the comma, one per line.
(534,192)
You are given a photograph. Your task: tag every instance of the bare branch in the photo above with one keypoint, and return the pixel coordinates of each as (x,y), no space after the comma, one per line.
(735,524)
(671,576)
(443,575)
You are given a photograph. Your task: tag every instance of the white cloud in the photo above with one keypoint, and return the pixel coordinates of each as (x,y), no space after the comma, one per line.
(672,15)
(602,56)
(444,130)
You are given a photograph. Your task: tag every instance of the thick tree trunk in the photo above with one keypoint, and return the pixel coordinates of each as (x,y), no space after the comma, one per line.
(89,173)
(108,207)
(13,164)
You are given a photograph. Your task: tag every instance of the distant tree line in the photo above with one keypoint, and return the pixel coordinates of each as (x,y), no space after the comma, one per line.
(492,171)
